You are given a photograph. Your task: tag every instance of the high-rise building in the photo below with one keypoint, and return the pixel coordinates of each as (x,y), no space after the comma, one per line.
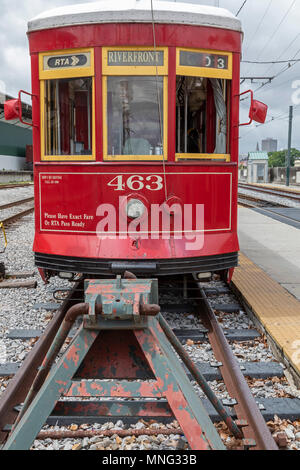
(269,145)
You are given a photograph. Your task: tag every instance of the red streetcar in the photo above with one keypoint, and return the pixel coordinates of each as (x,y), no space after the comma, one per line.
(135,129)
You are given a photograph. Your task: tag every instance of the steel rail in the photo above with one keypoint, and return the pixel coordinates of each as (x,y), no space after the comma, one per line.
(246,408)
(19,386)
(294,195)
(71,316)
(16,203)
(200,379)
(260,201)
(268,211)
(11,186)
(15,217)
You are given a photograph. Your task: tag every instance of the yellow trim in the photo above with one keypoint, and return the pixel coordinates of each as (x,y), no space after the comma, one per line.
(5,238)
(130,158)
(107,157)
(88,71)
(203,71)
(63,158)
(134,70)
(202,156)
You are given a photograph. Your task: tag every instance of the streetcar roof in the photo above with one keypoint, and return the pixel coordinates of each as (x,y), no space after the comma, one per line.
(135,11)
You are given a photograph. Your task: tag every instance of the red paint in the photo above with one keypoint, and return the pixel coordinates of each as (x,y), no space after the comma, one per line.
(200,37)
(72,354)
(176,400)
(83,193)
(172,104)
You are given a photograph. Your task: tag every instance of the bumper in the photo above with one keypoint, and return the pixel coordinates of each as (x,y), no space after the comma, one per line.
(159,267)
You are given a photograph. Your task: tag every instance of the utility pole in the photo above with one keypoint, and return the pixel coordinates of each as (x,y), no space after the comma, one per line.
(288,157)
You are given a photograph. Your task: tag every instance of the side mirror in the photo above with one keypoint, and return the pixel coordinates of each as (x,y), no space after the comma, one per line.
(12,109)
(258,110)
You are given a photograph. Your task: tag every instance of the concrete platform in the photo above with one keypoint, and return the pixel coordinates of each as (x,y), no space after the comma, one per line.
(277,311)
(273,246)
(286,215)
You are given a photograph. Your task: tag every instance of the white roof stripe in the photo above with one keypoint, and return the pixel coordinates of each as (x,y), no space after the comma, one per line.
(135,11)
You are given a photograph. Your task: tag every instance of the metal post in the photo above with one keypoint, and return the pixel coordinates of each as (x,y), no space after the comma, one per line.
(288,158)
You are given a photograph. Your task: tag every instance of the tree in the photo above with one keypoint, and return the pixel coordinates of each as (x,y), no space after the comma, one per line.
(278,159)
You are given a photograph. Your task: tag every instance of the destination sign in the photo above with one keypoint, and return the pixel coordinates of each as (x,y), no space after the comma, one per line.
(204,60)
(135,58)
(67,61)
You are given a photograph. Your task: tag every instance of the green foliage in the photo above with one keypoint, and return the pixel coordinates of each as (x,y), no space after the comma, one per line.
(277,159)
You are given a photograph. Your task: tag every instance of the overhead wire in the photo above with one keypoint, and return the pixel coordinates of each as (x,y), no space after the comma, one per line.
(282,117)
(286,49)
(274,32)
(270,61)
(239,11)
(277,28)
(288,67)
(260,23)
(288,63)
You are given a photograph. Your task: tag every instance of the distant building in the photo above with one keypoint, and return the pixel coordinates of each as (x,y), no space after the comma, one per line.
(269,145)
(258,167)
(15,137)
(243,157)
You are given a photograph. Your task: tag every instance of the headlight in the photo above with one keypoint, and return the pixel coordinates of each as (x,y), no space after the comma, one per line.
(135,208)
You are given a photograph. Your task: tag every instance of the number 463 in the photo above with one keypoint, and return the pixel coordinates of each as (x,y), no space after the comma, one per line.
(137,183)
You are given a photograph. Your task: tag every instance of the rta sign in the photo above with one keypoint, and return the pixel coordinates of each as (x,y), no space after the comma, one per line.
(58,62)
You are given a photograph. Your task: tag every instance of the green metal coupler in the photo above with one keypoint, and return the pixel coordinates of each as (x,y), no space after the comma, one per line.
(121,299)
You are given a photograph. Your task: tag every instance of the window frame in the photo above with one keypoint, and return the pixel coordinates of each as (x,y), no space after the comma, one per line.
(204,72)
(111,71)
(65,73)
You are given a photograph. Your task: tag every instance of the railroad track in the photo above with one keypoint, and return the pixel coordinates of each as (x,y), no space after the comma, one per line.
(269,208)
(10,219)
(11,186)
(16,203)
(253,201)
(290,195)
(206,329)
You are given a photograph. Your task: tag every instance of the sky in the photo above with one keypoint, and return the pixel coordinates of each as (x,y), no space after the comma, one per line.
(272,33)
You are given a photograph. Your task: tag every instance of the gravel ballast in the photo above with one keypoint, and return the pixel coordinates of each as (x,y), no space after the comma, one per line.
(17,313)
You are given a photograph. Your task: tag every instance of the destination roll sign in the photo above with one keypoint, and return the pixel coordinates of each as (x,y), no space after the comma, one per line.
(135,58)
(67,61)
(204,60)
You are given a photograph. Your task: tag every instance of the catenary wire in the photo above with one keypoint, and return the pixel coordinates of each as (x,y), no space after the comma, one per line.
(239,11)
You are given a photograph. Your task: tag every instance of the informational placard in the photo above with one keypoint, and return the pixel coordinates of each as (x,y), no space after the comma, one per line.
(94,203)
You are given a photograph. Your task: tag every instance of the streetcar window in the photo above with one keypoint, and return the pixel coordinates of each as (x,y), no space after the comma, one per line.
(202,115)
(135,115)
(68,116)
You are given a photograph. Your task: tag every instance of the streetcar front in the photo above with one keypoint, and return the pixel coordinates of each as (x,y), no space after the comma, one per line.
(136,118)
